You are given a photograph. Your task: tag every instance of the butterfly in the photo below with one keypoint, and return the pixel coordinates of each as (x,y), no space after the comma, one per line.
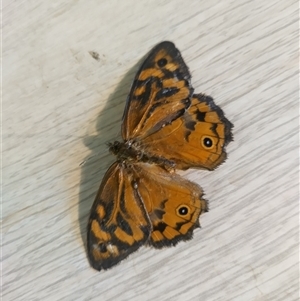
(141,200)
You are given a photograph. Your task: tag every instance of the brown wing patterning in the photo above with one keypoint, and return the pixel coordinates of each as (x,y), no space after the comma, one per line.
(160,92)
(173,204)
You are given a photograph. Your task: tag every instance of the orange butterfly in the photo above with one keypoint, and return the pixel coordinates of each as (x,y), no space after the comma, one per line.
(165,127)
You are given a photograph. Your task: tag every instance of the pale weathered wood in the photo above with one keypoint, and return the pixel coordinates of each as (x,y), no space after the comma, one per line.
(61,106)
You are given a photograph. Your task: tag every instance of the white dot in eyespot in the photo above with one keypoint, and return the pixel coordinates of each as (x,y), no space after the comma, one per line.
(135,185)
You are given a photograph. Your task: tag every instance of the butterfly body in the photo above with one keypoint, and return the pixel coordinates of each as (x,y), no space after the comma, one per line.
(129,152)
(141,200)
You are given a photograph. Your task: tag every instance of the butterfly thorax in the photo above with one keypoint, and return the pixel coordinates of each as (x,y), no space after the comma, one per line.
(126,151)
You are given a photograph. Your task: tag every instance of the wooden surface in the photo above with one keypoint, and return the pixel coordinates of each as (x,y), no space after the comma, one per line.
(61,106)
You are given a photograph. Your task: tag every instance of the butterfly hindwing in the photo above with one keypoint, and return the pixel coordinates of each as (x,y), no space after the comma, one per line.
(119,223)
(173,204)
(196,139)
(160,93)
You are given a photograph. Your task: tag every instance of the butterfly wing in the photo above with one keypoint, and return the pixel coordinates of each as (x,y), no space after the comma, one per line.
(160,93)
(196,139)
(173,204)
(118,223)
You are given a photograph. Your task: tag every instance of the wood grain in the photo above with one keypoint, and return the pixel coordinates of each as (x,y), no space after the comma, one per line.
(62,103)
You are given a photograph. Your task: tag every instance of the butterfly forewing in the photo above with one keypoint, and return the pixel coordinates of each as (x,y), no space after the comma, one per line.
(160,93)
